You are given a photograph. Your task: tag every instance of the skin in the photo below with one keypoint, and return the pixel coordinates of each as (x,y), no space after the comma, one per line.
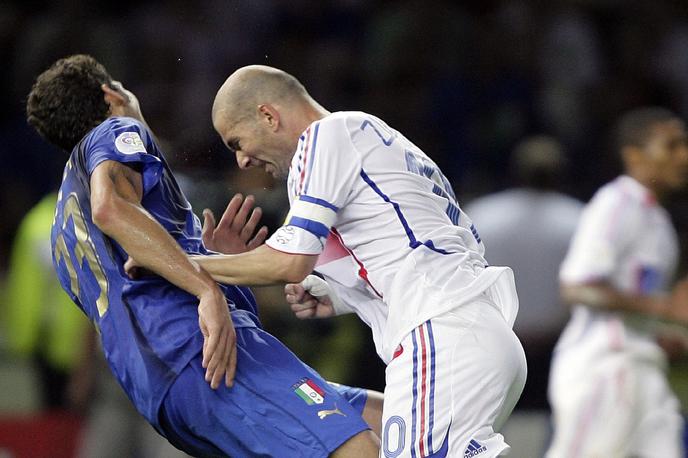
(264,132)
(260,123)
(116,193)
(661,165)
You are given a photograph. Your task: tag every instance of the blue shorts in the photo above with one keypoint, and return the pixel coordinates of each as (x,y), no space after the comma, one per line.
(278,406)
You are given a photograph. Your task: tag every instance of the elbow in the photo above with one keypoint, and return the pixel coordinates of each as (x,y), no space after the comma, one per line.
(294,276)
(297,267)
(103,214)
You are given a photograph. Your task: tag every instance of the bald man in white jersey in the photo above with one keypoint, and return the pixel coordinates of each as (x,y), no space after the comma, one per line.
(382,222)
(608,386)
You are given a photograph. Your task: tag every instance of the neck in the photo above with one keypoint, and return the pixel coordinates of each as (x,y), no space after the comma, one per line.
(649,182)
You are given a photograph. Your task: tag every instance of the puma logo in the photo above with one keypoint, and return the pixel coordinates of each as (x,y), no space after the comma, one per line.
(324,413)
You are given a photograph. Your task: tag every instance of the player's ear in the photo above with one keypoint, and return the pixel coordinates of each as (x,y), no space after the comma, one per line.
(112,96)
(632,156)
(270,115)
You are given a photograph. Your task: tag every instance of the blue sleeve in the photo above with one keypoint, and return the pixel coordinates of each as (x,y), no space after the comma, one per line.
(127,141)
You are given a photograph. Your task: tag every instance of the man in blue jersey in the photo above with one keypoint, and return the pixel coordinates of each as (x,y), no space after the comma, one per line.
(162,336)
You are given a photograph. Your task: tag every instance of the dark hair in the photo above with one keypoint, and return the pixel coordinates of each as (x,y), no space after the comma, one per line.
(66,101)
(634,127)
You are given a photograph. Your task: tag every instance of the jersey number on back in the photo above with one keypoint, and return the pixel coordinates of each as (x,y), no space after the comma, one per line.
(85,253)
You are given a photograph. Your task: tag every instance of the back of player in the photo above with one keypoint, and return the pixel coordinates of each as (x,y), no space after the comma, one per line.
(149,328)
(441,318)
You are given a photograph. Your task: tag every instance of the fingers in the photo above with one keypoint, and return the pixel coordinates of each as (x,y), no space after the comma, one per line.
(213,340)
(230,214)
(231,367)
(218,362)
(294,293)
(208,225)
(242,214)
(305,314)
(259,238)
(305,310)
(252,222)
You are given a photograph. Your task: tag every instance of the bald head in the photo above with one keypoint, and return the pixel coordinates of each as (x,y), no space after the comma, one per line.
(251,86)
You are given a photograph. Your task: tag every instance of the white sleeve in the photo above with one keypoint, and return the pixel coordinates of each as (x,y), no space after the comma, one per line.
(605,230)
(323,175)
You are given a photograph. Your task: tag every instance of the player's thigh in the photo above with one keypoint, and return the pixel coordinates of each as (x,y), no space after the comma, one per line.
(596,412)
(278,407)
(660,432)
(367,402)
(454,378)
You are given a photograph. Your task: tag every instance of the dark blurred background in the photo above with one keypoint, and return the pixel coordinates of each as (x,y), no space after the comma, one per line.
(466,81)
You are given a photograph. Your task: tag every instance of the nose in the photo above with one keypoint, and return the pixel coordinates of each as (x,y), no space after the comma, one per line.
(243,160)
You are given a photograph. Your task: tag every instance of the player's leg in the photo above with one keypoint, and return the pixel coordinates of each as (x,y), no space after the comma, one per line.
(661,426)
(594,405)
(367,402)
(277,407)
(452,384)
(363,445)
(372,413)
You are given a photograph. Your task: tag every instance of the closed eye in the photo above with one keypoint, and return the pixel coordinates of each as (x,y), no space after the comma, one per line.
(233,145)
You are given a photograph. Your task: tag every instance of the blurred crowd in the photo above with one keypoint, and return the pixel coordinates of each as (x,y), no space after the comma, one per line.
(466,81)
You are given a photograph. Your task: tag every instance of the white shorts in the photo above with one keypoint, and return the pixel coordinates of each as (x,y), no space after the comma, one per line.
(614,406)
(452,384)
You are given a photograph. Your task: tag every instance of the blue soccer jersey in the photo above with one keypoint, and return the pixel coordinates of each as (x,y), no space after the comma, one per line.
(148,328)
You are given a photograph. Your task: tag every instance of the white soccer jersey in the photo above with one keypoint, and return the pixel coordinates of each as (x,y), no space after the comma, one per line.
(627,239)
(389,225)
(608,386)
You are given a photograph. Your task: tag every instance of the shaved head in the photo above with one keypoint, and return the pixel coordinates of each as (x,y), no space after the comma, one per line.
(260,113)
(251,86)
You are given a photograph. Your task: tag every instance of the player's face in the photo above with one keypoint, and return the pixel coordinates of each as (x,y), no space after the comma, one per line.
(255,148)
(666,155)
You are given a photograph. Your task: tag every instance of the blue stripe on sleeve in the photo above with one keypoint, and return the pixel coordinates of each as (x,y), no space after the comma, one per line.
(314,227)
(322,203)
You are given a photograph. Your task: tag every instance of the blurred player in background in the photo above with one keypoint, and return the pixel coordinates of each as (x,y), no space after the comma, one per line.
(118,198)
(608,386)
(411,261)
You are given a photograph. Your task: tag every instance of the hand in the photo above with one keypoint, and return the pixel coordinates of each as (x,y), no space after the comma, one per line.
(219,339)
(134,270)
(122,101)
(233,234)
(310,299)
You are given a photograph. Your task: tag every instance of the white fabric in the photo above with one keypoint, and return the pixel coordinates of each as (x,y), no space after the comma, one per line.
(434,394)
(608,360)
(395,220)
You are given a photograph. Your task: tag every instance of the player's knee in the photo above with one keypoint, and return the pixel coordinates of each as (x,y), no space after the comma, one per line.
(363,445)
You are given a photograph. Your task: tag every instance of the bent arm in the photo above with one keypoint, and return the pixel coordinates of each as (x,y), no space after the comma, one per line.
(262,266)
(116,193)
(604,296)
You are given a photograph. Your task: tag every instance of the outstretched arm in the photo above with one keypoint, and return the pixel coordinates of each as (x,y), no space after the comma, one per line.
(116,193)
(262,266)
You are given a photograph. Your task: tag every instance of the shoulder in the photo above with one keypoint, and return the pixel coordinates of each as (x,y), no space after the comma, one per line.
(343,122)
(619,194)
(126,135)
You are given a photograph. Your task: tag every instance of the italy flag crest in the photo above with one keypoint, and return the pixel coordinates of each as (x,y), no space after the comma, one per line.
(307,390)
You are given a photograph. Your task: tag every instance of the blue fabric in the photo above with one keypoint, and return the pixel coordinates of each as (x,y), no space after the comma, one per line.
(261,415)
(148,328)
